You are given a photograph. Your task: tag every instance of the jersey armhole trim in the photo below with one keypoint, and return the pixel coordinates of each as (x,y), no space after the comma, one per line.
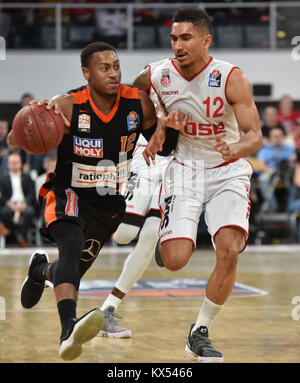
(150,82)
(80,96)
(226,82)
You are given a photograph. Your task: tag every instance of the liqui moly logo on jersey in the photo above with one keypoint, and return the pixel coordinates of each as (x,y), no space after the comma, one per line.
(165,78)
(88,147)
(214,80)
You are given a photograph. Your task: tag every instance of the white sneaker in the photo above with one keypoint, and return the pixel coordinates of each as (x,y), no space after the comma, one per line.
(80,331)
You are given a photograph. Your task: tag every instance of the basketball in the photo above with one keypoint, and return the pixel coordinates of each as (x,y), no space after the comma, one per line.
(38,130)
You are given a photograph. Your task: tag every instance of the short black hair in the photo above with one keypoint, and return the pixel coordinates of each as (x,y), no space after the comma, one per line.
(12,151)
(27,95)
(91,48)
(193,15)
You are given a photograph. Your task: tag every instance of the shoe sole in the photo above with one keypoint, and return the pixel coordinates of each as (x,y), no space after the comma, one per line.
(121,334)
(25,280)
(202,359)
(83,331)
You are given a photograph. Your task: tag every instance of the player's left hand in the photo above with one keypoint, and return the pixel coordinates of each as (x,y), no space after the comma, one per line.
(222,147)
(154,146)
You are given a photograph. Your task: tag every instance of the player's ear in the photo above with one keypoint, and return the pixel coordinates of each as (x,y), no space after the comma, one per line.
(207,40)
(86,73)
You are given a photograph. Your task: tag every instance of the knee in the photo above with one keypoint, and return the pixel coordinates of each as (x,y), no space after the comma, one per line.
(175,259)
(125,233)
(227,258)
(68,235)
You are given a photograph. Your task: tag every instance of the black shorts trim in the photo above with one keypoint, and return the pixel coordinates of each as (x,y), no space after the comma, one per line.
(153,213)
(133,219)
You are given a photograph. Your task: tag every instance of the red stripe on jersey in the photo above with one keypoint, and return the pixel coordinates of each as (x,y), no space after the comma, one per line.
(197,74)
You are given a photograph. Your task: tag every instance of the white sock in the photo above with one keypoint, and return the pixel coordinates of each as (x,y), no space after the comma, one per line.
(111,300)
(207,314)
(136,262)
(139,259)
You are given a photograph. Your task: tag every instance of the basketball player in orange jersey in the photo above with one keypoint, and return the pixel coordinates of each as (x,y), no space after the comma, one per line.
(81,204)
(209,169)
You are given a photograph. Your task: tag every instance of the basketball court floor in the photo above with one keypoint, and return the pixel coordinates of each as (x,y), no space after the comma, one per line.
(260,323)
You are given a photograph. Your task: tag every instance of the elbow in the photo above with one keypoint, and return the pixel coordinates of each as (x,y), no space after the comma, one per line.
(260,141)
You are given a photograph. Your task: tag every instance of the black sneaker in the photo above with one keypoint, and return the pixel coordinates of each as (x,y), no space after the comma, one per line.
(80,331)
(158,257)
(32,290)
(199,345)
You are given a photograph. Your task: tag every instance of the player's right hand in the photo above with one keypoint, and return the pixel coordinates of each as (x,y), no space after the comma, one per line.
(177,119)
(154,146)
(52,104)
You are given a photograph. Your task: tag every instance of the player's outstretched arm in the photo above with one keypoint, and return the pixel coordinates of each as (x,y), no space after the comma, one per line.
(239,94)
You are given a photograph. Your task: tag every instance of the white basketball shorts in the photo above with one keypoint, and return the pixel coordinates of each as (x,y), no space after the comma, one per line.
(223,193)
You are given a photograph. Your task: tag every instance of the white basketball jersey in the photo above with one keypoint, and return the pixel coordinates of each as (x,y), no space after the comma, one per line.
(204,98)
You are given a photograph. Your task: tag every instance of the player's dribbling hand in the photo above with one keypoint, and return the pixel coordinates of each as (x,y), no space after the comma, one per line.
(52,104)
(222,147)
(176,119)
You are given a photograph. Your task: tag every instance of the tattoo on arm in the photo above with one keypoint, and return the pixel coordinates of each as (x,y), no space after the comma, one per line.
(142,82)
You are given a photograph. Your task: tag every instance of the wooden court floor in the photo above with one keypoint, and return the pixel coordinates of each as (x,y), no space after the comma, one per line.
(247,330)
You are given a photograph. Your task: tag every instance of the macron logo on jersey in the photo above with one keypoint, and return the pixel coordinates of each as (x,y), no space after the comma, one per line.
(214,80)
(88,147)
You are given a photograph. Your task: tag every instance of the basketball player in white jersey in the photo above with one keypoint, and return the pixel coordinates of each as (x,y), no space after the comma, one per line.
(142,218)
(209,169)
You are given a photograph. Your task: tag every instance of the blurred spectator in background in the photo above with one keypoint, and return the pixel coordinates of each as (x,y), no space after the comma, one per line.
(294,197)
(27,27)
(25,99)
(49,165)
(272,157)
(83,16)
(148,16)
(296,136)
(269,122)
(17,199)
(111,26)
(48,14)
(3,144)
(286,114)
